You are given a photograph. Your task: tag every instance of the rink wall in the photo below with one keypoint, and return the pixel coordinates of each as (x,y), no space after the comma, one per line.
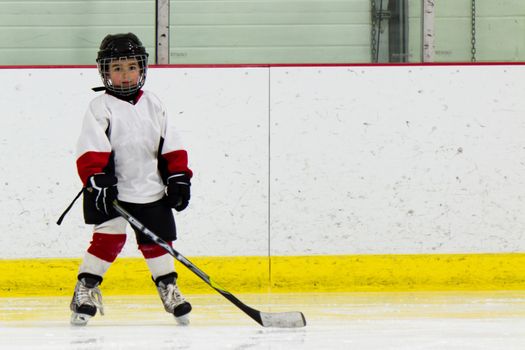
(306,177)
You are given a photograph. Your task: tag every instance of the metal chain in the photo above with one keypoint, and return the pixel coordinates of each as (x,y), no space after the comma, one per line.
(473,32)
(374,32)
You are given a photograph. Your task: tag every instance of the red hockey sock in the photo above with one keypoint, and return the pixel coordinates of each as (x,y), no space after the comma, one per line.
(152,250)
(159,262)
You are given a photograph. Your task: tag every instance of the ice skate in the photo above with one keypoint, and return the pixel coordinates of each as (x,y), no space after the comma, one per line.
(174,302)
(87,298)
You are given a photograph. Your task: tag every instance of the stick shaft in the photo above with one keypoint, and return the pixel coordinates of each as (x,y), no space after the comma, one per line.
(254,314)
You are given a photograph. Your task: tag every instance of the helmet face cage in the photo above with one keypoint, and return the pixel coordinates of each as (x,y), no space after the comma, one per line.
(122,47)
(104,65)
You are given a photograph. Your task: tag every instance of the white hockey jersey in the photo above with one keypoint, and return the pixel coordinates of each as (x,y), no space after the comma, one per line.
(137,142)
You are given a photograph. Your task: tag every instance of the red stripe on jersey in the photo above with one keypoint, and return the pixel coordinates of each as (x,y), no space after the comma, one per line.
(178,162)
(91,163)
(151,251)
(107,246)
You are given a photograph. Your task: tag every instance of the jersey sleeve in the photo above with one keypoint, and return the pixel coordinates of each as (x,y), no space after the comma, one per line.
(173,152)
(93,146)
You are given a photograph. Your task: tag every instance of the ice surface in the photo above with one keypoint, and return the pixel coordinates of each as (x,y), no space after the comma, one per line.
(452,320)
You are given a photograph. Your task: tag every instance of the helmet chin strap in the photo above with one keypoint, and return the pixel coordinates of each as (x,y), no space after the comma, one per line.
(124,91)
(132,98)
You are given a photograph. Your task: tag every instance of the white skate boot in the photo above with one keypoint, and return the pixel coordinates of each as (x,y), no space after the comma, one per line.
(87,298)
(174,302)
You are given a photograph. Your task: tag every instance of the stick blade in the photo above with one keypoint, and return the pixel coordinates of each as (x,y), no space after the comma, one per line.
(294,319)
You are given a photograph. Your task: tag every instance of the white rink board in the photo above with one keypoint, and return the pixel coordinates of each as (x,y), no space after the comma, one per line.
(398,160)
(223,121)
(415,159)
(223,116)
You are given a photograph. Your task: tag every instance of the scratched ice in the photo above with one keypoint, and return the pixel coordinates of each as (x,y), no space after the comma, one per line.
(431,320)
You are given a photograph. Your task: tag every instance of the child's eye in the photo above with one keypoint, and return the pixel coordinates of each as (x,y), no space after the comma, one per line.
(115,69)
(133,67)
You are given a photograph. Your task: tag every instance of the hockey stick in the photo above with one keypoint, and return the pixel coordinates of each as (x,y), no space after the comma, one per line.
(266,319)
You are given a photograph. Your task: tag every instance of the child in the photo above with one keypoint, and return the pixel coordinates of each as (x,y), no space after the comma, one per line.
(129,149)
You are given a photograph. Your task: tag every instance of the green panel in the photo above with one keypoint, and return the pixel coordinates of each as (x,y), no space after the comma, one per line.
(268,7)
(281,18)
(81,7)
(72,38)
(499,31)
(55,45)
(291,31)
(499,39)
(484,8)
(414,40)
(335,54)
(48,56)
(34,21)
(68,32)
(414,31)
(33,56)
(251,31)
(452,39)
(264,36)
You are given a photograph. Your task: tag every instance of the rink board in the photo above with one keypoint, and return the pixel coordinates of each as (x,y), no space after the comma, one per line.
(346,183)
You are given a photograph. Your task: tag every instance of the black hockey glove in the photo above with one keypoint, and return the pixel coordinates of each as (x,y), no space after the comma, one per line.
(103,188)
(178,191)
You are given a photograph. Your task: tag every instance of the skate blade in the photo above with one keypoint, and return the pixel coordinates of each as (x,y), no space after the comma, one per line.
(79,319)
(183,320)
(182,313)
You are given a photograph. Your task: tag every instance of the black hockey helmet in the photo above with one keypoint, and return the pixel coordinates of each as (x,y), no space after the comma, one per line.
(119,47)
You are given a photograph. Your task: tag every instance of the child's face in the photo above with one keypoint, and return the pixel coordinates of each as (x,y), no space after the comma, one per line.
(124,72)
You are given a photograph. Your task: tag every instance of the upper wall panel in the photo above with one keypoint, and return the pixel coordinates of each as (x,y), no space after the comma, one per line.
(68,32)
(270,31)
(260,31)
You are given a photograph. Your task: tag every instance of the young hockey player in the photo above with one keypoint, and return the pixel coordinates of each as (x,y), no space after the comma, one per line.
(129,150)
